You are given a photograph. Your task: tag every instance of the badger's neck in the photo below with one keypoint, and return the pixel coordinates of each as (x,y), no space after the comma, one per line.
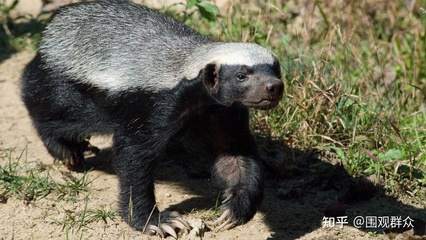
(220,53)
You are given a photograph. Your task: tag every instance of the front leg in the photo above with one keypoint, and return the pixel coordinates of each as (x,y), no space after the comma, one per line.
(134,161)
(237,169)
(240,178)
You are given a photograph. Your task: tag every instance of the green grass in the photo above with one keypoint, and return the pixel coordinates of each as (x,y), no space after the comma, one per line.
(101,213)
(23,182)
(29,182)
(355,83)
(73,186)
(75,220)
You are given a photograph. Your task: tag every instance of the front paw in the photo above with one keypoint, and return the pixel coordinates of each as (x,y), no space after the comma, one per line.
(238,207)
(169,224)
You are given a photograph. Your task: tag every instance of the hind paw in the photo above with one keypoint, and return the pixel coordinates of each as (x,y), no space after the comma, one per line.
(80,150)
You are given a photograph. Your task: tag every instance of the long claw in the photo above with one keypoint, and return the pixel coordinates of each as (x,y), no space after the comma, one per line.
(168,229)
(93,149)
(221,227)
(170,224)
(222,217)
(227,198)
(186,224)
(174,214)
(229,226)
(155,230)
(176,221)
(180,224)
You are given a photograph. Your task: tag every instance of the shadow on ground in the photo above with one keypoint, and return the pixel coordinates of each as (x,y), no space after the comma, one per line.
(297,196)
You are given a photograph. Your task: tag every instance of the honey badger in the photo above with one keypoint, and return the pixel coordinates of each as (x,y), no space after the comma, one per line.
(116,67)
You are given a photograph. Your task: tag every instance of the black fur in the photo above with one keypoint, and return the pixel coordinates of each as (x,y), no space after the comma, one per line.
(66,112)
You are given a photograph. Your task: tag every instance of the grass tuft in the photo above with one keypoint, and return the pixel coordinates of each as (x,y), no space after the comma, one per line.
(23,180)
(73,186)
(25,183)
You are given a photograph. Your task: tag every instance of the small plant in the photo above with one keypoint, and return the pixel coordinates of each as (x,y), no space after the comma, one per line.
(208,11)
(6,20)
(74,186)
(101,213)
(24,183)
(76,220)
(18,32)
(29,183)
(380,165)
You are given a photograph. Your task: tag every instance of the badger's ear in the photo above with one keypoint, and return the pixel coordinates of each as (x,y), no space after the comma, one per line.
(211,75)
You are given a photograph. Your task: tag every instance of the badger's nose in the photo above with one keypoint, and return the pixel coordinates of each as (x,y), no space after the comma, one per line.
(275,88)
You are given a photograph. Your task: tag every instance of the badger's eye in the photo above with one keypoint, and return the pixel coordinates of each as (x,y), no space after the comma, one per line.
(241,77)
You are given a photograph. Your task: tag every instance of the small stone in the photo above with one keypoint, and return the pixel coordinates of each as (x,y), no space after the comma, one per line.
(198,226)
(26,7)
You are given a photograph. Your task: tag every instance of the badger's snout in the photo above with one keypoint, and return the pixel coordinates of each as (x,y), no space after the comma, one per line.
(266,94)
(271,95)
(274,88)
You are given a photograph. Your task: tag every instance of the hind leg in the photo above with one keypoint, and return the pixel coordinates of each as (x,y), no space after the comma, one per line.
(63,117)
(64,142)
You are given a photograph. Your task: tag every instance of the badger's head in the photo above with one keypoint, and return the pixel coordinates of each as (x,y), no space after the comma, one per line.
(242,73)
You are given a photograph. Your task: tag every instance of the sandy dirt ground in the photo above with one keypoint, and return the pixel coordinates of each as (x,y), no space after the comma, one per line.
(283,216)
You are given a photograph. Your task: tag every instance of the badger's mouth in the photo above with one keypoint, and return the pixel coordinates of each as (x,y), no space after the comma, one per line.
(263,103)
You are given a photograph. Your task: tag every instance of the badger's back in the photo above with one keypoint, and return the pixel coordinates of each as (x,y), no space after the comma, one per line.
(117,45)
